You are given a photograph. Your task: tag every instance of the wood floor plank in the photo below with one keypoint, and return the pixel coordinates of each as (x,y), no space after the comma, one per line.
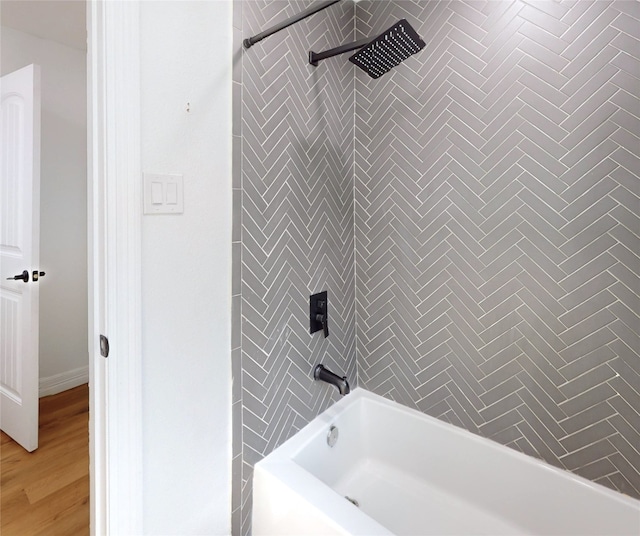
(45,515)
(55,480)
(47,491)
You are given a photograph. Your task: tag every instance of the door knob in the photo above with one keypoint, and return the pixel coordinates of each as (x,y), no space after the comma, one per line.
(24,276)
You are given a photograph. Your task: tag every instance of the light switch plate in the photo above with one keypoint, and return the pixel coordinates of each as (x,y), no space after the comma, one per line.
(163,194)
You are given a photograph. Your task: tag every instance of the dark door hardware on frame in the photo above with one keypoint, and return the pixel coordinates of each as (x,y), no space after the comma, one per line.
(104,346)
(318,313)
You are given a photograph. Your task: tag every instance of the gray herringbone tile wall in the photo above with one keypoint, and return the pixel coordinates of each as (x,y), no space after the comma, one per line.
(497,226)
(496,236)
(294,229)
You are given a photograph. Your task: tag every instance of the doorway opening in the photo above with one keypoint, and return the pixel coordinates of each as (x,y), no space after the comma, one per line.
(52,35)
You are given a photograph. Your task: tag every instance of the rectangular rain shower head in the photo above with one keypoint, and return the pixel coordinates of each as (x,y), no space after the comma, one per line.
(389,49)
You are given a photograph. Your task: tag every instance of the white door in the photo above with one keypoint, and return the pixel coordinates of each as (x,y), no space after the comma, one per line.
(19,253)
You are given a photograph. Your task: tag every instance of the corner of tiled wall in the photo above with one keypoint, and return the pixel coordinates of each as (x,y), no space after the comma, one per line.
(293,228)
(236,264)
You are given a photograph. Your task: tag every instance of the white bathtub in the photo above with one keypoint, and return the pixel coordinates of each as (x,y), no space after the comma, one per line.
(414,475)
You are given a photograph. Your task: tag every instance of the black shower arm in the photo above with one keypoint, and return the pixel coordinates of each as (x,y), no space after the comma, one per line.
(250,41)
(315,57)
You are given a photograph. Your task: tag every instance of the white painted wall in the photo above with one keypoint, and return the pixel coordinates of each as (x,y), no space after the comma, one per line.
(186,58)
(63,214)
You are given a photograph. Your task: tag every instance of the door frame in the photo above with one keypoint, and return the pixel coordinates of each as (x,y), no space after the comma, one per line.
(114,266)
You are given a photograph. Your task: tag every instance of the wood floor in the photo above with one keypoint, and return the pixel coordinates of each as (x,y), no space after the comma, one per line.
(46,492)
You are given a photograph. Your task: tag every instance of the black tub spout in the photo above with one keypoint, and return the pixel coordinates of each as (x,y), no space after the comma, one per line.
(324,374)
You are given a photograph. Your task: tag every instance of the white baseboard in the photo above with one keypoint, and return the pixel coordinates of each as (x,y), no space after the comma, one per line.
(61,382)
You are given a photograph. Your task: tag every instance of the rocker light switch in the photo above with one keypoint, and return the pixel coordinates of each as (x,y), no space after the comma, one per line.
(163,194)
(157,197)
(172,194)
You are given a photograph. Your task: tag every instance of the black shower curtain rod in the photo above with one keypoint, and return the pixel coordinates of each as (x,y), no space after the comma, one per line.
(250,41)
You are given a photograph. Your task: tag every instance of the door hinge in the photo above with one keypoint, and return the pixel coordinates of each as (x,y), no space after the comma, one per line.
(104,346)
